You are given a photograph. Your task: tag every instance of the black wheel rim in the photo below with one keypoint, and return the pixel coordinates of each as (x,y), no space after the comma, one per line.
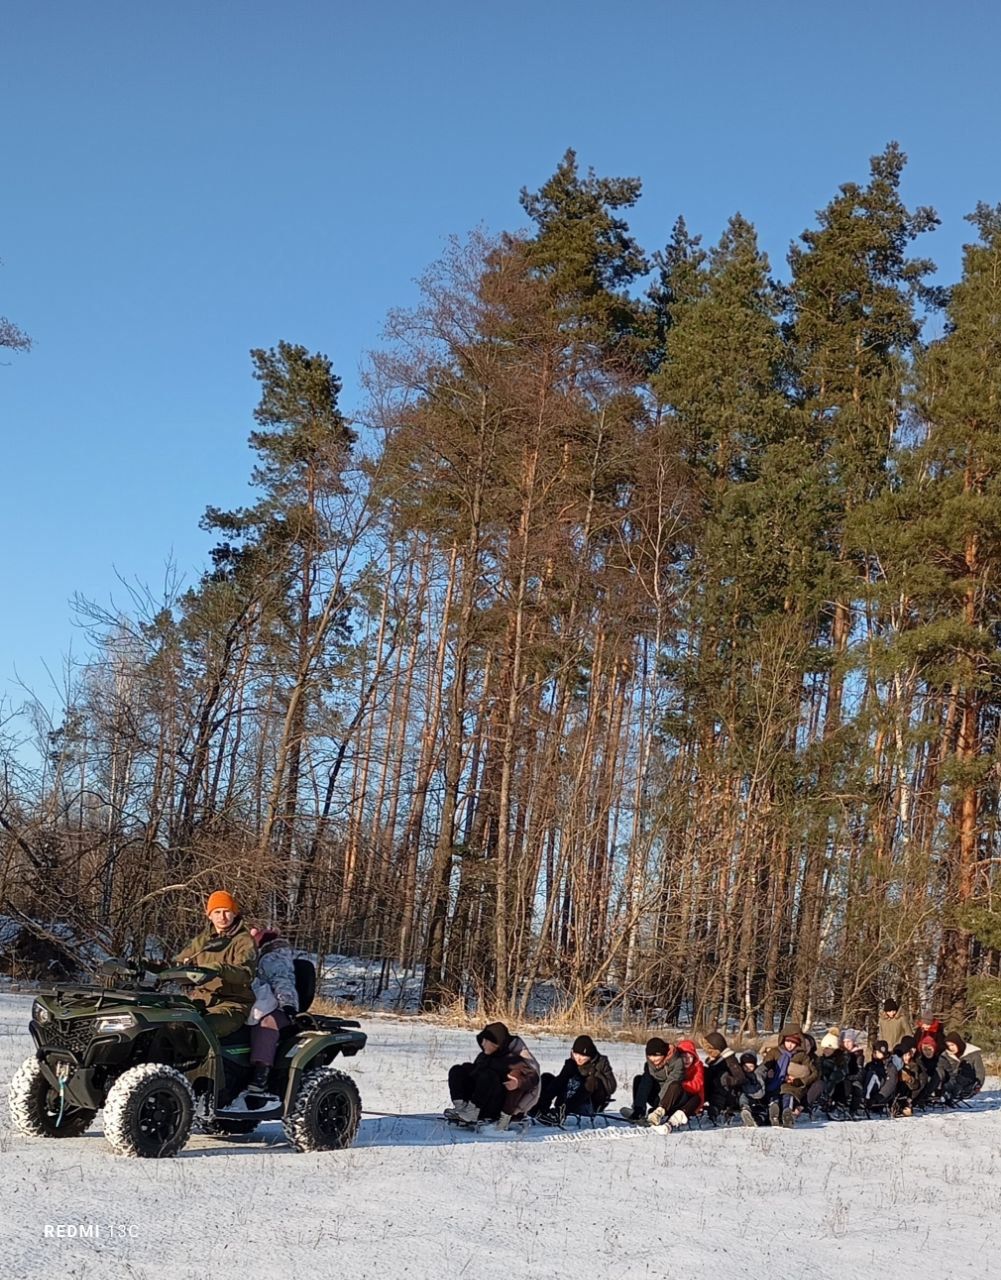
(160,1116)
(333,1114)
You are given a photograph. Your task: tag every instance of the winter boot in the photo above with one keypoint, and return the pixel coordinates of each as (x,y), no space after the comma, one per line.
(629,1113)
(774,1112)
(788,1118)
(259,1080)
(678,1119)
(747,1118)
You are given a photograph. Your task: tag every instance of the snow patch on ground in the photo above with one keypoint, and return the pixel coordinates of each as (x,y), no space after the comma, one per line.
(415,1198)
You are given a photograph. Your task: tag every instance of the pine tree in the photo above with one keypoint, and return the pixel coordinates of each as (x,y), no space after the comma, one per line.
(853,326)
(944,559)
(304,443)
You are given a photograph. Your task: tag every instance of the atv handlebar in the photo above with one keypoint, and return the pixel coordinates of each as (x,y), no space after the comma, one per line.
(193,975)
(164,971)
(119,969)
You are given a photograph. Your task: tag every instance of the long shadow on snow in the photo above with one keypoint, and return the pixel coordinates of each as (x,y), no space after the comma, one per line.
(434,1131)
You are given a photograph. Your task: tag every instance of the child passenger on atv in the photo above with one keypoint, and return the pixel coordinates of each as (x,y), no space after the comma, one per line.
(500,1084)
(276,1002)
(228,948)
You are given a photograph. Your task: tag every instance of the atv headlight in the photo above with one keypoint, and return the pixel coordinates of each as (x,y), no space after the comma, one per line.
(117,1022)
(39,1013)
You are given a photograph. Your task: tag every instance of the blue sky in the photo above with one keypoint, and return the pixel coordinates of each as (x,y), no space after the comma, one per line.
(185,181)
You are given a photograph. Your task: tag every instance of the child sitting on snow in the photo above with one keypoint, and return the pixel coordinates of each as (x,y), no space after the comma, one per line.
(724,1078)
(879,1079)
(501,1084)
(928,1057)
(690,1097)
(583,1087)
(962,1068)
(662,1069)
(911,1077)
(754,1085)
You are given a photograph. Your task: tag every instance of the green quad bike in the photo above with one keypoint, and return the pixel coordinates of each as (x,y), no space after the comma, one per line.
(152,1062)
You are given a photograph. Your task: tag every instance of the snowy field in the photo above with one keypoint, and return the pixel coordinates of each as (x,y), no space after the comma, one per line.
(415,1198)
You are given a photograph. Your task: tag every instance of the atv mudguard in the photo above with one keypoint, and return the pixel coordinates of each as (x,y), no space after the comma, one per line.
(318,1048)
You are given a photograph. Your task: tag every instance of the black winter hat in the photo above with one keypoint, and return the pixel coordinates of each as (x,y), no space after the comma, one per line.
(585,1045)
(891,1005)
(656,1046)
(907,1045)
(752,1058)
(955,1038)
(715,1041)
(496,1033)
(881,1047)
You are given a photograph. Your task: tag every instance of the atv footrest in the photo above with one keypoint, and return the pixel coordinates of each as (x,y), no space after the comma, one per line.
(271,1112)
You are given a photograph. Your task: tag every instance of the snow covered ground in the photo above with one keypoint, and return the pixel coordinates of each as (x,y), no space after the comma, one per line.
(415,1198)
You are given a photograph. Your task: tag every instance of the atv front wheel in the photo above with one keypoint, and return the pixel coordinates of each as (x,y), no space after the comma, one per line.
(149,1112)
(326,1112)
(34,1106)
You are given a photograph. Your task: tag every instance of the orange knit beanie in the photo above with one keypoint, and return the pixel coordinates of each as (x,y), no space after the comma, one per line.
(221,899)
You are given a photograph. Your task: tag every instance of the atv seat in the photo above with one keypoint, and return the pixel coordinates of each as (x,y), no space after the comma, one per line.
(238,1039)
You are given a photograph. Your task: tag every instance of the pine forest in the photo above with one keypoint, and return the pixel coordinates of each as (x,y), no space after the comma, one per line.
(636,633)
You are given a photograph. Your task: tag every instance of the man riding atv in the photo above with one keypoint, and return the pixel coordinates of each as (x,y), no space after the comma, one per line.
(158,1063)
(227,947)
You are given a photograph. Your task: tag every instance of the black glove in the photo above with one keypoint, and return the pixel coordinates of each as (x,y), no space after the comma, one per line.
(290,1012)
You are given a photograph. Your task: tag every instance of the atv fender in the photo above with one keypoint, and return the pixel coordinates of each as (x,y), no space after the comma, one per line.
(315,1049)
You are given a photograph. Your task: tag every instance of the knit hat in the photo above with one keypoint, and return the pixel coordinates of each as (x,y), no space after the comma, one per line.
(586,1046)
(655,1047)
(749,1057)
(907,1045)
(880,1047)
(953,1037)
(831,1040)
(891,1005)
(929,1040)
(792,1032)
(715,1041)
(221,900)
(496,1032)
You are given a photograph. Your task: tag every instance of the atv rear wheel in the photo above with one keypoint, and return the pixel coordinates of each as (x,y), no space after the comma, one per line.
(326,1112)
(149,1112)
(34,1106)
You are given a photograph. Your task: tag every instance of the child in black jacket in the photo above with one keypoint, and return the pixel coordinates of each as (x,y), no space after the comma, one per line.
(584,1087)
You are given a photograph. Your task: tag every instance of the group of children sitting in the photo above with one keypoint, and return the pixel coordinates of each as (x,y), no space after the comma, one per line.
(834,1078)
(796,1076)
